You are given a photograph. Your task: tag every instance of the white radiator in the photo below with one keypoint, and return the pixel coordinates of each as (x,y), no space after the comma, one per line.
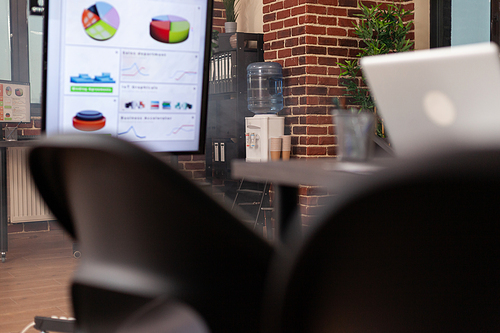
(24,202)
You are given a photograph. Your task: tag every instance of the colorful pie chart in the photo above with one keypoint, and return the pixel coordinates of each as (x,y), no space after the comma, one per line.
(100,21)
(169,29)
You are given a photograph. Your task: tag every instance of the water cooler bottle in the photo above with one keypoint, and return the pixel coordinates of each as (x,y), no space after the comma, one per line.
(265,99)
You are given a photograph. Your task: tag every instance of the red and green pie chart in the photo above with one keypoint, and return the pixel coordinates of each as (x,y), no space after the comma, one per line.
(169,29)
(100,21)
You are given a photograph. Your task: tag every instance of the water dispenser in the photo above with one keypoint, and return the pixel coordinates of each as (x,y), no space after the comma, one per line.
(265,99)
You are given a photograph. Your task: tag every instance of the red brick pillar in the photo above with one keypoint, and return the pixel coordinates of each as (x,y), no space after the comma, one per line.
(219,16)
(308,38)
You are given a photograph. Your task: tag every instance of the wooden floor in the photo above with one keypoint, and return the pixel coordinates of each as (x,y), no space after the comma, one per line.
(35,279)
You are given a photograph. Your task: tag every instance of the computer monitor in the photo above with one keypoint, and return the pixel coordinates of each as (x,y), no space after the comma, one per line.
(137,70)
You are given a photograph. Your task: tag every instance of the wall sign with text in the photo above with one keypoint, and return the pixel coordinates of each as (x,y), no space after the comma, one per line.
(14,102)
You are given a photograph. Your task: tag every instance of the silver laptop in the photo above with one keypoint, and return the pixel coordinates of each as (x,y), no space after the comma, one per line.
(439,98)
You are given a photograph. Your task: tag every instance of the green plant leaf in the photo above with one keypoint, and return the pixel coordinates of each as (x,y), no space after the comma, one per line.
(231,10)
(381,31)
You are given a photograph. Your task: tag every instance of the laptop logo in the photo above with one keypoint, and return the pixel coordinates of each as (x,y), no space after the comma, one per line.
(439,108)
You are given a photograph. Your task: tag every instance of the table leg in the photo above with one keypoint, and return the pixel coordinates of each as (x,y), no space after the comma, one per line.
(3,204)
(288,223)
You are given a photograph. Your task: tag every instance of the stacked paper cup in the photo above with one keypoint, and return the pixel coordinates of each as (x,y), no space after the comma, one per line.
(286,147)
(275,148)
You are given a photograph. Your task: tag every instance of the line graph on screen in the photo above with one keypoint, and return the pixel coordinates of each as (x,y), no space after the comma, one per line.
(134,70)
(171,127)
(178,75)
(160,67)
(131,128)
(184,127)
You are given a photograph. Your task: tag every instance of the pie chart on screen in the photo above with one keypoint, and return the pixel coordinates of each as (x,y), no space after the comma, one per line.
(100,21)
(169,29)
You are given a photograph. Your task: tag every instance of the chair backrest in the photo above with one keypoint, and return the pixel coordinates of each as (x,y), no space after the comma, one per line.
(416,249)
(145,231)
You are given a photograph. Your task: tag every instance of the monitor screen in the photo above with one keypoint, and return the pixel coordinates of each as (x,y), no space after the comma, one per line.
(137,70)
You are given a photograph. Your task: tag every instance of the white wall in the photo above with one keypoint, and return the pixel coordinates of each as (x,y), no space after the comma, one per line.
(250,18)
(470,21)
(422,24)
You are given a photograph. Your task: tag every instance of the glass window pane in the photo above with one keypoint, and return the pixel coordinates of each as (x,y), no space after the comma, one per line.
(470,21)
(35,26)
(5,64)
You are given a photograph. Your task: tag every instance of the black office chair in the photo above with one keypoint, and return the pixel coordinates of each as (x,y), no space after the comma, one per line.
(153,243)
(415,249)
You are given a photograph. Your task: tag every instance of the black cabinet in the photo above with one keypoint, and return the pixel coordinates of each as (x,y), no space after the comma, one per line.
(227,102)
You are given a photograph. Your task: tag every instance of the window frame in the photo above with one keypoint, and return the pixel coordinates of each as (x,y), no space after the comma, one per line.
(495,21)
(440,23)
(19,39)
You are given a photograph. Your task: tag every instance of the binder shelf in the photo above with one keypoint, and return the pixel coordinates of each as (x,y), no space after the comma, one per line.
(227,102)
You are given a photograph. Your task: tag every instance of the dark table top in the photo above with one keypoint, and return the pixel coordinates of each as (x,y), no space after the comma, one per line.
(19,143)
(326,172)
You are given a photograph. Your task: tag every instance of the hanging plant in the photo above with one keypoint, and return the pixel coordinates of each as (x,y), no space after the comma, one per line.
(382,30)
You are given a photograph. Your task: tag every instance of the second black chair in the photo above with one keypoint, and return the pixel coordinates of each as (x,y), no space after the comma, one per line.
(414,249)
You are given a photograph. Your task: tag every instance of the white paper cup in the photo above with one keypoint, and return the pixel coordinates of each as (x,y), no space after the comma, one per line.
(286,146)
(286,142)
(275,148)
(275,144)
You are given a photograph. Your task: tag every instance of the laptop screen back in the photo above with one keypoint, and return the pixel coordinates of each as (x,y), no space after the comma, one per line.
(447,97)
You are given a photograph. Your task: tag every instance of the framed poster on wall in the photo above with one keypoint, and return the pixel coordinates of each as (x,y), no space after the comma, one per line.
(14,102)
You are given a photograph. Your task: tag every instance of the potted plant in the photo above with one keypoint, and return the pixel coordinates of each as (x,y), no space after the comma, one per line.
(231,15)
(382,30)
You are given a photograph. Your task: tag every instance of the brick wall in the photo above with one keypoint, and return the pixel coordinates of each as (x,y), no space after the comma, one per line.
(31,128)
(219,16)
(308,38)
(33,227)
